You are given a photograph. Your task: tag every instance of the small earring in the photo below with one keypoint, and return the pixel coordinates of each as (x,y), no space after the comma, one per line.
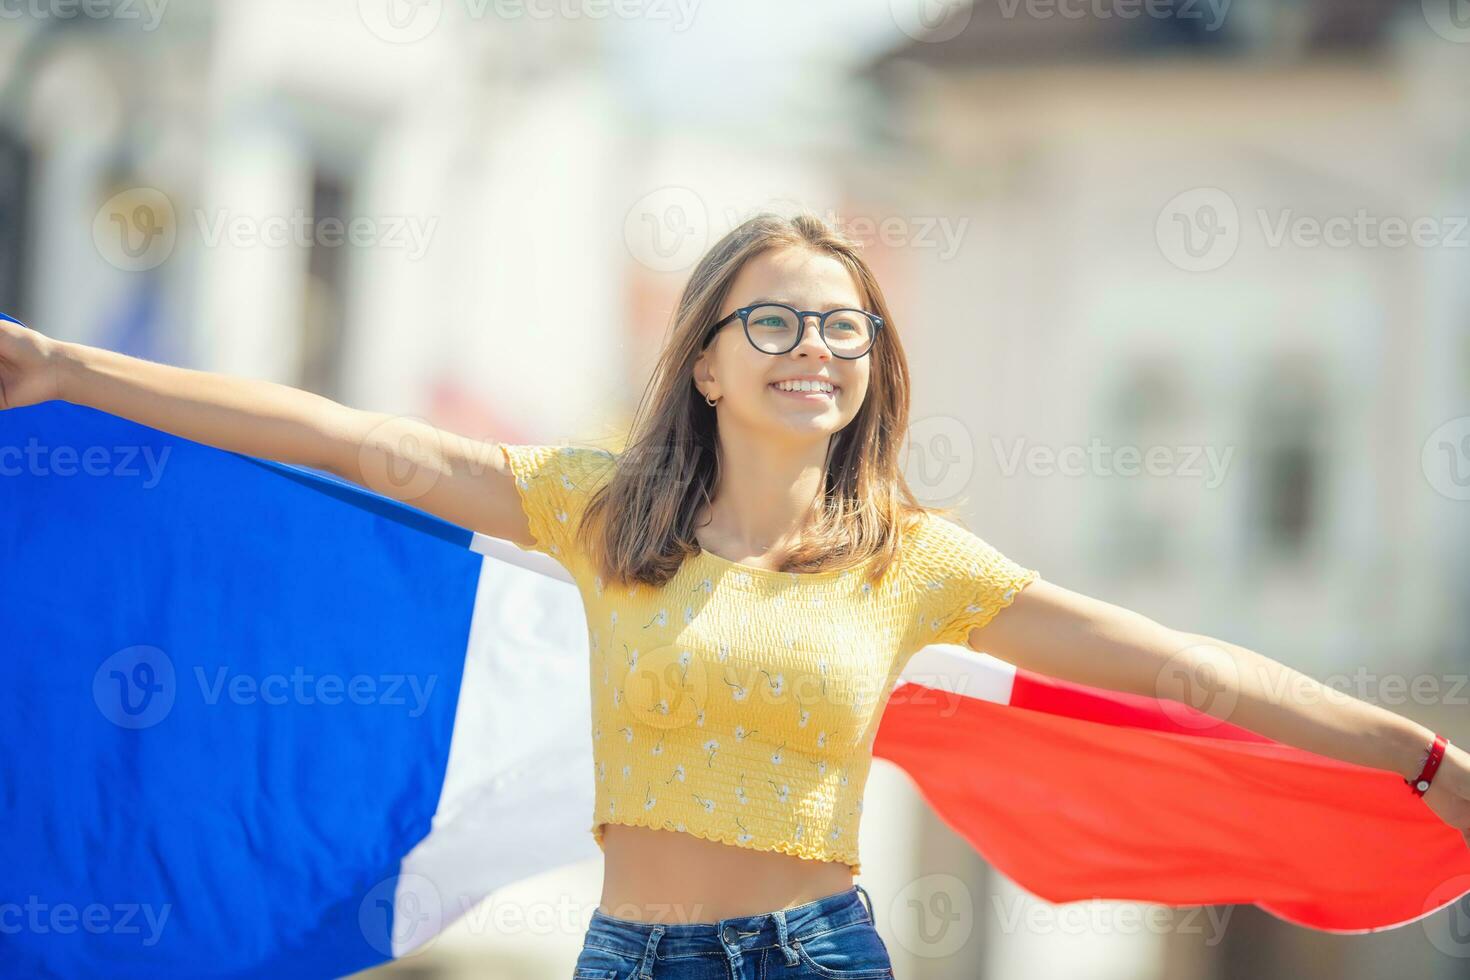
(710,402)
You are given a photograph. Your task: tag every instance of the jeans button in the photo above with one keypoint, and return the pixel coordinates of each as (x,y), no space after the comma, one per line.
(731,935)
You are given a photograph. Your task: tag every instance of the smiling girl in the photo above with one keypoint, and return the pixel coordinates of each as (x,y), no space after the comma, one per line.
(755,573)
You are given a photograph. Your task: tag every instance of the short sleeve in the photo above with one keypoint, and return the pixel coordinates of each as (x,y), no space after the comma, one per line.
(555,484)
(963,581)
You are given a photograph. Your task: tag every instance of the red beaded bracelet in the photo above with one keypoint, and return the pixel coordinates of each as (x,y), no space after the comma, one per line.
(1421,782)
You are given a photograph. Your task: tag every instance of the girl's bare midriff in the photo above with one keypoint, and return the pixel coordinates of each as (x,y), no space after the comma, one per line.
(673,878)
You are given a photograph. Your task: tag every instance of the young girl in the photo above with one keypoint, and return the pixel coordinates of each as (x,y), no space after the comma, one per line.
(755,574)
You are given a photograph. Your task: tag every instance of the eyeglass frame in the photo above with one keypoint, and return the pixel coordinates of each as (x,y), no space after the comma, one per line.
(744,314)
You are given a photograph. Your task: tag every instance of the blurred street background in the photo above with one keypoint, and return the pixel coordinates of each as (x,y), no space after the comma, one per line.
(1185,286)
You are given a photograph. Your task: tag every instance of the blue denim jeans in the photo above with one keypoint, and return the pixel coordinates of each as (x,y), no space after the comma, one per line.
(832,937)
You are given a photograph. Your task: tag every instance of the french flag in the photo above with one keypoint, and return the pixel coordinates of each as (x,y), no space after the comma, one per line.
(259,721)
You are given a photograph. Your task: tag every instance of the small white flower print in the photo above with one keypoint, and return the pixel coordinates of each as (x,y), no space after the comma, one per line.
(688,615)
(627,733)
(737,691)
(741,734)
(803,717)
(821,767)
(648,799)
(708,804)
(678,774)
(744,836)
(601,770)
(699,719)
(783,792)
(778,681)
(776,755)
(724,652)
(658,747)
(821,740)
(627,771)
(711,746)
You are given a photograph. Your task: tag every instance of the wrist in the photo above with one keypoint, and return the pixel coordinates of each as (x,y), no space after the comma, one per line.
(1411,746)
(66,365)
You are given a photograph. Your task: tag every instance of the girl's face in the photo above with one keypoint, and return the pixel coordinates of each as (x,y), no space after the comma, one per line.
(744,378)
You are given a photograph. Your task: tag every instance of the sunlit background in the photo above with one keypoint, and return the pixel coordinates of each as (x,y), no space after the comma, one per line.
(1185,285)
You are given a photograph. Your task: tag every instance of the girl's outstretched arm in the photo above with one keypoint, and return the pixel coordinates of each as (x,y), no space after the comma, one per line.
(462,480)
(1053,630)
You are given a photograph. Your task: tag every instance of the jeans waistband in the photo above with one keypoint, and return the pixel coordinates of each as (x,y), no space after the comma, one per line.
(743,933)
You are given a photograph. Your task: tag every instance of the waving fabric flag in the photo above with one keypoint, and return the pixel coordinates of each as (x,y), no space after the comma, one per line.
(262,722)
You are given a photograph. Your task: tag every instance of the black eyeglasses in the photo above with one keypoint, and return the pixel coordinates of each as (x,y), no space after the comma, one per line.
(775,328)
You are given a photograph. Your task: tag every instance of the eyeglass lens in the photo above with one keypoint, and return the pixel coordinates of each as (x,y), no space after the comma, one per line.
(775,330)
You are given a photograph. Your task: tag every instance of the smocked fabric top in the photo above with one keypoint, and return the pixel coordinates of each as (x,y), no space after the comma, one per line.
(740,704)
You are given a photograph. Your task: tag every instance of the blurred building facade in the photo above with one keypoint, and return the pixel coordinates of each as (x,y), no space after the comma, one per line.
(525,229)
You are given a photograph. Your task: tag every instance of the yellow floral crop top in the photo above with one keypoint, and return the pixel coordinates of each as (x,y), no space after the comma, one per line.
(740,704)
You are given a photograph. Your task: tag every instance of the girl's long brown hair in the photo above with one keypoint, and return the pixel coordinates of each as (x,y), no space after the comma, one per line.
(639,524)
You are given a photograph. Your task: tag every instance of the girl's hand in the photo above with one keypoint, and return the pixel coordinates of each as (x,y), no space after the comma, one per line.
(29,366)
(1448,794)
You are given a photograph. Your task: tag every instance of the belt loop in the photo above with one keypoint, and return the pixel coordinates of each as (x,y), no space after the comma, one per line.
(645,968)
(867,898)
(781,938)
